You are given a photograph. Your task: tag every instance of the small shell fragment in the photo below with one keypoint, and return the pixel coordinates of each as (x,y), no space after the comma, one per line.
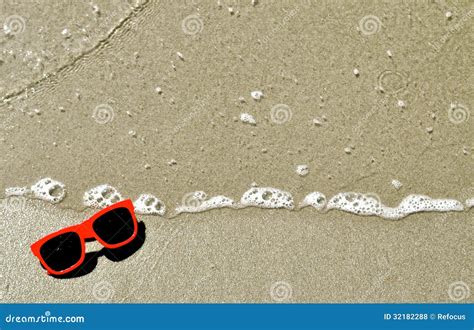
(302,170)
(256,95)
(317,122)
(247,118)
(396,184)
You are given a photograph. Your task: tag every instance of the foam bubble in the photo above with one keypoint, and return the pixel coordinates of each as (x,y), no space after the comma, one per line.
(470,203)
(302,170)
(366,204)
(314,199)
(194,198)
(267,197)
(363,204)
(149,204)
(421,203)
(256,95)
(247,118)
(16,191)
(49,190)
(105,195)
(201,204)
(101,196)
(396,184)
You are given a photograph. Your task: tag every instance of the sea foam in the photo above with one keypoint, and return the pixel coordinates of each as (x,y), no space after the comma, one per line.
(49,190)
(197,202)
(101,196)
(149,204)
(268,198)
(45,189)
(470,203)
(370,204)
(314,199)
(365,204)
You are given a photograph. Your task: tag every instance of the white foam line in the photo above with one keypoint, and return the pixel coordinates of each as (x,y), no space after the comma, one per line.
(314,199)
(45,189)
(267,198)
(105,195)
(149,204)
(369,204)
(215,202)
(470,203)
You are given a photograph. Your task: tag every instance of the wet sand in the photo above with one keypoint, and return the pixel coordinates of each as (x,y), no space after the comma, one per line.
(226,256)
(301,54)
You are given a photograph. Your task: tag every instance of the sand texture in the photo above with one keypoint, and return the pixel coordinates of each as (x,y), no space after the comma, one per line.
(147,96)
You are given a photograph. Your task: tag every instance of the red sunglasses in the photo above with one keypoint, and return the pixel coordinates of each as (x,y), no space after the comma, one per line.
(64,251)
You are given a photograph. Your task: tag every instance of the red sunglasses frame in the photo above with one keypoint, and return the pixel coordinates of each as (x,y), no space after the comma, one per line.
(85,231)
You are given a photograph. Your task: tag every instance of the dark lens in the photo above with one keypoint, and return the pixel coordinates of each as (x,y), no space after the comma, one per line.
(62,251)
(115,226)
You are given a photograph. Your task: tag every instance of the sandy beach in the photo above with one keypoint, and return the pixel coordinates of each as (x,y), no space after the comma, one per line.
(224,256)
(148,97)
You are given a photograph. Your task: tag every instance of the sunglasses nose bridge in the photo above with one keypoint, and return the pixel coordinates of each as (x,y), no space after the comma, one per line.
(87,232)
